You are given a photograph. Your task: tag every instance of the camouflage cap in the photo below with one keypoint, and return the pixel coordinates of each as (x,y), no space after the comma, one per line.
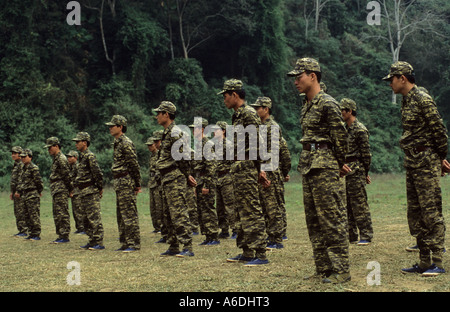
(117,120)
(204,123)
(304,64)
(82,136)
(262,101)
(222,124)
(51,142)
(348,104)
(150,141)
(26,152)
(157,135)
(16,149)
(167,107)
(231,85)
(72,154)
(400,68)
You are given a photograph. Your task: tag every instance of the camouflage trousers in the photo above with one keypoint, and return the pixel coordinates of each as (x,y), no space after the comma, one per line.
(32,207)
(77,213)
(358,207)
(425,218)
(90,207)
(20,215)
(175,213)
(127,218)
(272,201)
(326,220)
(191,201)
(207,212)
(250,223)
(155,207)
(61,216)
(226,210)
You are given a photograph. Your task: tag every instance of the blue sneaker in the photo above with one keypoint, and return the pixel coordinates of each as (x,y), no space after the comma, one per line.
(85,246)
(363,242)
(433,270)
(97,247)
(20,235)
(256,262)
(169,253)
(130,249)
(414,269)
(185,253)
(239,258)
(33,238)
(61,241)
(272,246)
(213,242)
(233,235)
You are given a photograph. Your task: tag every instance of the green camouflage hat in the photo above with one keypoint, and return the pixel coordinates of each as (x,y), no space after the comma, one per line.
(204,123)
(348,104)
(157,135)
(16,149)
(117,120)
(263,101)
(51,142)
(82,136)
(231,85)
(400,68)
(72,154)
(167,107)
(150,141)
(26,152)
(304,64)
(222,124)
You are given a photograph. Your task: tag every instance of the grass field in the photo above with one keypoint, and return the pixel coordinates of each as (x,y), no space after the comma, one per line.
(39,266)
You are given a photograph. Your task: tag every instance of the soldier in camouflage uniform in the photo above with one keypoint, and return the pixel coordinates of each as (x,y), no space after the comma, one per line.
(322,161)
(127,184)
(358,159)
(424,142)
(89,187)
(204,174)
(272,197)
(246,173)
(72,158)
(226,209)
(60,187)
(175,173)
(154,185)
(29,190)
(19,212)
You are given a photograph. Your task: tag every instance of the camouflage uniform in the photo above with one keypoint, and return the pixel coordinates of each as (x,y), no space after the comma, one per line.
(204,173)
(76,210)
(272,197)
(19,211)
(285,168)
(154,190)
(324,142)
(127,179)
(424,142)
(358,159)
(226,210)
(60,187)
(173,180)
(30,187)
(89,184)
(251,228)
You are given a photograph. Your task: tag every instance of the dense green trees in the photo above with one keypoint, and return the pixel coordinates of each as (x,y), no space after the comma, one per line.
(128,55)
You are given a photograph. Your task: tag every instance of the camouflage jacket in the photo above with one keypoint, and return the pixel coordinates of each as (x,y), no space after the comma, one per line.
(60,175)
(153,174)
(126,161)
(73,175)
(15,174)
(168,166)
(246,117)
(422,127)
(30,181)
(322,122)
(284,157)
(358,146)
(89,178)
(204,169)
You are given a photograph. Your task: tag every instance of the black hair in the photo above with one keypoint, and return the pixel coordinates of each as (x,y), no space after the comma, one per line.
(318,74)
(410,78)
(240,93)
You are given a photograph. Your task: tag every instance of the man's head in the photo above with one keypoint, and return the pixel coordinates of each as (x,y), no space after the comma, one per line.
(401,77)
(15,152)
(348,108)
(82,141)
(233,93)
(263,107)
(117,125)
(165,112)
(53,145)
(307,73)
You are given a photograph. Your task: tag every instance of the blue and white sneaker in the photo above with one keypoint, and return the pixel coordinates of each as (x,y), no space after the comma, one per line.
(97,247)
(256,262)
(433,270)
(185,253)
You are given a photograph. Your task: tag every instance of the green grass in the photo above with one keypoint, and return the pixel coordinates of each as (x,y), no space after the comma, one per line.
(39,266)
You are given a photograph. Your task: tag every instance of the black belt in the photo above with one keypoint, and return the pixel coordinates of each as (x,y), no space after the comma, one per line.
(316,146)
(121,175)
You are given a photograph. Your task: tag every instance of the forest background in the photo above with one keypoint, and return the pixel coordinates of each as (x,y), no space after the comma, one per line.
(127,56)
